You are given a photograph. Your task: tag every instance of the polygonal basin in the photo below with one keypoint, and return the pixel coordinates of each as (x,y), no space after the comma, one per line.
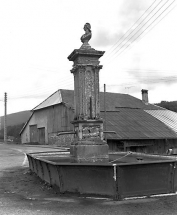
(127,174)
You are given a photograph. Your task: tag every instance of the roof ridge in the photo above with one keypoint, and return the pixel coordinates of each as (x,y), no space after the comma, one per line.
(113,101)
(60,94)
(129,107)
(45,100)
(159,107)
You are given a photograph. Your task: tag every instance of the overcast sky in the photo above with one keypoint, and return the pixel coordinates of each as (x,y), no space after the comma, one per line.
(37,36)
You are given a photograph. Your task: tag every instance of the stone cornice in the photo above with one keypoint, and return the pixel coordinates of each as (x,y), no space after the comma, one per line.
(85,52)
(93,121)
(85,65)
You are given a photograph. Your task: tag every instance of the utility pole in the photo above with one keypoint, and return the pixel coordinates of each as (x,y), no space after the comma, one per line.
(5,117)
(105,110)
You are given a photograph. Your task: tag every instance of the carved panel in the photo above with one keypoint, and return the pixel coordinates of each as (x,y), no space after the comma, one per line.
(91,132)
(75,101)
(86,60)
(97,94)
(80,93)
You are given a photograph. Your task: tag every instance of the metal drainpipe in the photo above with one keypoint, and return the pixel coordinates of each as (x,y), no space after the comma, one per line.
(67,132)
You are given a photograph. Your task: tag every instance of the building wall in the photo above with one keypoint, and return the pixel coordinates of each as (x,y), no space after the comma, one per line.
(54,119)
(25,135)
(57,118)
(62,140)
(152,146)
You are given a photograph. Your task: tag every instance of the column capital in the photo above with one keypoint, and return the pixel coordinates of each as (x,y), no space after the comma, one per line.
(86,53)
(83,66)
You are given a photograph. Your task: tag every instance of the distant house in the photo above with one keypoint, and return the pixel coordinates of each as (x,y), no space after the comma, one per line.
(139,125)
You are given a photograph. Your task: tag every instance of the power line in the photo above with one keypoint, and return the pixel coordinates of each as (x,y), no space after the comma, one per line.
(123,37)
(150,80)
(123,46)
(42,93)
(56,85)
(142,32)
(59,85)
(134,84)
(27,95)
(149,70)
(57,81)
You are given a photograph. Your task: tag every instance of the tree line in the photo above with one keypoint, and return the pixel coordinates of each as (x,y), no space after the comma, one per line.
(168,105)
(13,132)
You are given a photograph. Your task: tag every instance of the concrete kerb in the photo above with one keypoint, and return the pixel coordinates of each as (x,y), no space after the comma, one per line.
(39,146)
(46,146)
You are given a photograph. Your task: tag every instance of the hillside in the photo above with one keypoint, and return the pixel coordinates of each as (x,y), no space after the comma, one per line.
(16,118)
(168,105)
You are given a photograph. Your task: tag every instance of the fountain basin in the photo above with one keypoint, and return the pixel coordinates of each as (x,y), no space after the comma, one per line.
(125,175)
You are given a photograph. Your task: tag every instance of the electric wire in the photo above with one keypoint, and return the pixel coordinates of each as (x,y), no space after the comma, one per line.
(144,31)
(57,81)
(116,55)
(57,86)
(62,84)
(29,95)
(124,37)
(149,70)
(134,84)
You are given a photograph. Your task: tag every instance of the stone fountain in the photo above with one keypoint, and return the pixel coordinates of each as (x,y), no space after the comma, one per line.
(88,169)
(88,144)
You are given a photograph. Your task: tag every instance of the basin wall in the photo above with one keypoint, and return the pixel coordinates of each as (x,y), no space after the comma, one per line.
(76,178)
(146,179)
(117,181)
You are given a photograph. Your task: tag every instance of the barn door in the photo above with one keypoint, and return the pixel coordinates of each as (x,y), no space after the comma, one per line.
(41,135)
(33,133)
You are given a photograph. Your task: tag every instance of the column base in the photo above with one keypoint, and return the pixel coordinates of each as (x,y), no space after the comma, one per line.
(89,153)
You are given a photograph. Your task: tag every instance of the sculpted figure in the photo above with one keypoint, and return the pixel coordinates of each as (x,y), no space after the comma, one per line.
(88,33)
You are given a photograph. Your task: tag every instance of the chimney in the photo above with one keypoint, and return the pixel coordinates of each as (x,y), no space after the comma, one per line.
(145,96)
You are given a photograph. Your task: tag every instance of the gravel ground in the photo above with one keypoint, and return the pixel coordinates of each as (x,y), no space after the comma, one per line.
(22,192)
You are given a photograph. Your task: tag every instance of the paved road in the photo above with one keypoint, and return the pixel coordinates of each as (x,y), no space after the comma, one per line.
(21,192)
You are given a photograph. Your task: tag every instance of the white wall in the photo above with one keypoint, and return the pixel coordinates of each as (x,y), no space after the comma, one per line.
(38,118)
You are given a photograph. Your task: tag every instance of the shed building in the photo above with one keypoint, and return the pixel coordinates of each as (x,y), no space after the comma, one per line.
(139,125)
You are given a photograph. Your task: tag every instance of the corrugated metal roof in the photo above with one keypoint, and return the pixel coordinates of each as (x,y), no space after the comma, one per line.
(118,100)
(68,97)
(136,124)
(54,99)
(168,117)
(113,101)
(128,116)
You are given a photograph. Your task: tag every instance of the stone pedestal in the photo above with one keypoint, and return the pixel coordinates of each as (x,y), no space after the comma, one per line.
(84,153)
(88,144)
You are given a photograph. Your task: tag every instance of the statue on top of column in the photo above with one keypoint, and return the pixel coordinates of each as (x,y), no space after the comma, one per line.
(88,33)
